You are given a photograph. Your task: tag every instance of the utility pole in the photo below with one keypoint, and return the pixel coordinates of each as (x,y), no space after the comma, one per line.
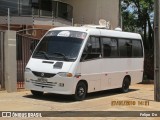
(120,14)
(33,16)
(53,17)
(72,22)
(157,50)
(8,19)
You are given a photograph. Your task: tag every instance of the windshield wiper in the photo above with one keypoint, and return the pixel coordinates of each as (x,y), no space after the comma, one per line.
(61,54)
(44,53)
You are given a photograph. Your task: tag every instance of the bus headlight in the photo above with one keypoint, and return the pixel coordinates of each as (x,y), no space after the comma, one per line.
(65,74)
(27,80)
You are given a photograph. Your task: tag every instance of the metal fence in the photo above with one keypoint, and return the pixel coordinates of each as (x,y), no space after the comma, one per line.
(24,39)
(2,85)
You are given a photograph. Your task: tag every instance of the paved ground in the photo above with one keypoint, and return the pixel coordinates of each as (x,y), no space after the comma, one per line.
(140,98)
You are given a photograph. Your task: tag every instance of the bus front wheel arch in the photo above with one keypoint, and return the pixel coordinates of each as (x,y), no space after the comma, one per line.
(81,90)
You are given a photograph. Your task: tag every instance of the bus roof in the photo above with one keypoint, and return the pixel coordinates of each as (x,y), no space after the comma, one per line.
(101,32)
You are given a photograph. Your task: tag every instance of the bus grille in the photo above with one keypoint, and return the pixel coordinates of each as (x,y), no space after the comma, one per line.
(41,74)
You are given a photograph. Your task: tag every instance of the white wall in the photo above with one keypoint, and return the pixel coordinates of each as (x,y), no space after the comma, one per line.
(10,61)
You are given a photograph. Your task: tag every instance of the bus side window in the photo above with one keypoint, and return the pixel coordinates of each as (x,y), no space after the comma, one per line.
(109,47)
(92,49)
(125,48)
(137,48)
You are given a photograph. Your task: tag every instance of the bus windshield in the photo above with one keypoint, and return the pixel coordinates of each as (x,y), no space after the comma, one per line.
(60,46)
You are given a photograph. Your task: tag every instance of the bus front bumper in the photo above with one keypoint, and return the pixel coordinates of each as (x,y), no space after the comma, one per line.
(56,84)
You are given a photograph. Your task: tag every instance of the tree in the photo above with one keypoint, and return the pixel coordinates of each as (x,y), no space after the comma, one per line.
(138,17)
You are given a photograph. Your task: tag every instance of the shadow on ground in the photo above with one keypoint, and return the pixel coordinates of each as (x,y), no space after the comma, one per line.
(69,98)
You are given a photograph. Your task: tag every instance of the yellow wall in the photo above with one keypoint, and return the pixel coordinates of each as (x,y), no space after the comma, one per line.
(90,11)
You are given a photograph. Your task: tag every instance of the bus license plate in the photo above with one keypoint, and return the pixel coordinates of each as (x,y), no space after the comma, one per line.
(42,80)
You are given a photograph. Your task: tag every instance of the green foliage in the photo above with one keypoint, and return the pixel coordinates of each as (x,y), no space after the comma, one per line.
(137,16)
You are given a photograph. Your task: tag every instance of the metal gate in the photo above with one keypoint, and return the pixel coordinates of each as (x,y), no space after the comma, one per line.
(2,84)
(24,39)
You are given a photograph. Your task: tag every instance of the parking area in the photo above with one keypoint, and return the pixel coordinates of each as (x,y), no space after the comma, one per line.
(139,98)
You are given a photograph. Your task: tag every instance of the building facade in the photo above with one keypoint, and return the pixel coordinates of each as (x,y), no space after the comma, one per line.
(40,13)
(91,11)
(51,13)
(25,14)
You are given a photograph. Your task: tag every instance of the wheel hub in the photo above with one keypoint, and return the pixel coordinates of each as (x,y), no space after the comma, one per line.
(81,91)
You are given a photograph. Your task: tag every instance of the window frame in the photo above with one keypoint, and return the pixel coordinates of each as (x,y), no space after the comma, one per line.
(141,48)
(129,41)
(13,5)
(103,47)
(22,9)
(117,38)
(118,51)
(84,60)
(69,18)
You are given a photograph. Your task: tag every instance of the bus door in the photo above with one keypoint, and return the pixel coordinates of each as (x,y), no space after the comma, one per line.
(109,64)
(91,64)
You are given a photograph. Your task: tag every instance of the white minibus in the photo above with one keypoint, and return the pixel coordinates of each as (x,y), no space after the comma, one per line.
(80,60)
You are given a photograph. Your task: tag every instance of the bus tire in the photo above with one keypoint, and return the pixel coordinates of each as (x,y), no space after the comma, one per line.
(36,93)
(125,85)
(81,91)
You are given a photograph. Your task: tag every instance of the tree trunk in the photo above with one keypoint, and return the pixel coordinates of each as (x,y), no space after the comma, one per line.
(150,33)
(145,34)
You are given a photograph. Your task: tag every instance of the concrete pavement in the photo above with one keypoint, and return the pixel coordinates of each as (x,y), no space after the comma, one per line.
(140,98)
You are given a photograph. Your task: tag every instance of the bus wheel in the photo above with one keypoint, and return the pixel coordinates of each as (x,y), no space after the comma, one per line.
(36,93)
(81,91)
(125,85)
